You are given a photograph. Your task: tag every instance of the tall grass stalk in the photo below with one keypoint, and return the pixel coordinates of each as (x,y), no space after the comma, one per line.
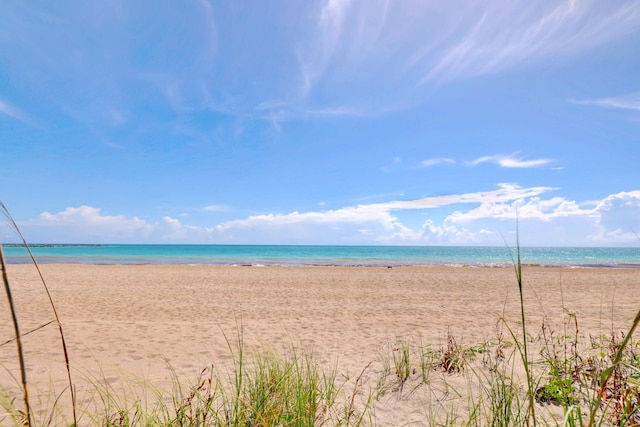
(16,327)
(16,229)
(522,347)
(232,414)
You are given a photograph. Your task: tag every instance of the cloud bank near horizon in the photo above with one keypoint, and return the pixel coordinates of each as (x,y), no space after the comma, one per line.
(480,218)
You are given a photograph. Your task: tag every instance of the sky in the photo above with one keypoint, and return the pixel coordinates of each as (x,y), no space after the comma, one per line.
(343,122)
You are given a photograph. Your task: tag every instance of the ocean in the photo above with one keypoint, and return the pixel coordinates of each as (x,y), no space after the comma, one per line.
(293,255)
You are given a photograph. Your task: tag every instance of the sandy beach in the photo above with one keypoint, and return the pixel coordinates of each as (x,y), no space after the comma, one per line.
(139,319)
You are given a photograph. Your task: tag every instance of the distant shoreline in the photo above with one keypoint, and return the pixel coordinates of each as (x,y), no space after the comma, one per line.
(346,266)
(322,255)
(50,245)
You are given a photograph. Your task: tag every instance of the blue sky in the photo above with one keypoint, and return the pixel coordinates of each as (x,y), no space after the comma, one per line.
(321,122)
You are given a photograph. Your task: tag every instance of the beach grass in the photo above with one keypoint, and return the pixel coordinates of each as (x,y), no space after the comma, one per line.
(576,381)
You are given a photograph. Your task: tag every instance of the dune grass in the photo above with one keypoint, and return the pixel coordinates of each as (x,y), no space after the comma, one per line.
(576,381)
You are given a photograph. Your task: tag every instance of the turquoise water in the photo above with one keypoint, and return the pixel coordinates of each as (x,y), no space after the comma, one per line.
(322,255)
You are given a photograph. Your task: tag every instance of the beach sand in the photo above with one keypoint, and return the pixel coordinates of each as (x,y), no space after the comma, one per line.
(141,319)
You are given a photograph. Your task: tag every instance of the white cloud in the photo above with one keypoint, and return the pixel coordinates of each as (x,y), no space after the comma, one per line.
(86,224)
(93,225)
(531,208)
(618,218)
(171,230)
(430,233)
(381,213)
(361,214)
(544,221)
(436,161)
(483,218)
(499,159)
(89,216)
(505,193)
(610,221)
(215,208)
(509,161)
(514,163)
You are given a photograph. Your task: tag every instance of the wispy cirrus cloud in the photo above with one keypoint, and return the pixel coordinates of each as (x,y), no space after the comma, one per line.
(499,34)
(509,161)
(135,53)
(316,59)
(436,161)
(350,49)
(630,101)
(215,208)
(505,161)
(308,67)
(422,42)
(11,111)
(328,33)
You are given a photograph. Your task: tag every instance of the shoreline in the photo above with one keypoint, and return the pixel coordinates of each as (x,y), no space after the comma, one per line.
(325,255)
(498,265)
